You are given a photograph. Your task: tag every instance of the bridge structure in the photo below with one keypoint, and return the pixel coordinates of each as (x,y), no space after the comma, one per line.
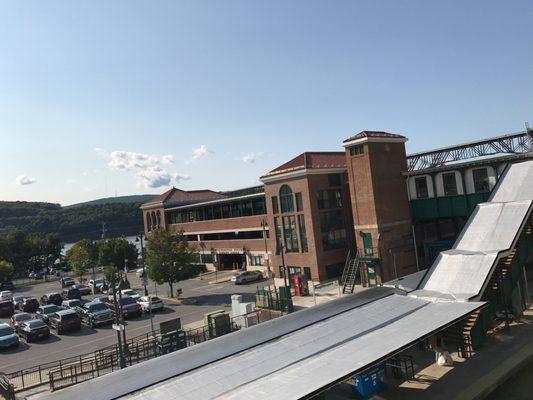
(303,354)
(514,143)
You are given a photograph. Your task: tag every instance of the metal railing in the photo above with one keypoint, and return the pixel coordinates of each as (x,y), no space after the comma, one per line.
(73,370)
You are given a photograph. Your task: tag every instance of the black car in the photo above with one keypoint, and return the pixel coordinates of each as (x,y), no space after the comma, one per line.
(65,320)
(71,293)
(7,285)
(83,289)
(44,312)
(29,304)
(51,298)
(95,313)
(6,308)
(33,329)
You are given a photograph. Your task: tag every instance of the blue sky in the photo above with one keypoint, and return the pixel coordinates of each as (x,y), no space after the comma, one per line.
(98,97)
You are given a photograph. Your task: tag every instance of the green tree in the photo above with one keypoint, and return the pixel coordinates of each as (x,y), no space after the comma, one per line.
(82,256)
(169,258)
(6,270)
(115,252)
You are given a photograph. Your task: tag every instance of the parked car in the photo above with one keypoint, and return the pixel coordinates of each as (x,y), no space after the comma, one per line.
(51,298)
(157,303)
(17,302)
(6,308)
(65,320)
(71,304)
(29,304)
(33,329)
(247,276)
(7,285)
(67,281)
(128,305)
(70,293)
(97,285)
(8,337)
(101,299)
(83,289)
(44,312)
(6,295)
(19,318)
(95,313)
(36,275)
(131,293)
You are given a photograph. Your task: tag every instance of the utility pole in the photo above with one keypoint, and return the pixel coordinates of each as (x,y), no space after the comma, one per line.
(122,322)
(263,225)
(140,237)
(121,362)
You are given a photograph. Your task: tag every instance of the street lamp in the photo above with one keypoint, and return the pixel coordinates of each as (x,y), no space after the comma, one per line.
(264,225)
(137,239)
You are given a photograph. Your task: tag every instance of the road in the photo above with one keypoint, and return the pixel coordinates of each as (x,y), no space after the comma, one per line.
(206,297)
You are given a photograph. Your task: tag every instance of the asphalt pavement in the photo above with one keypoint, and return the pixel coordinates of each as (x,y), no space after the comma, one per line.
(202,297)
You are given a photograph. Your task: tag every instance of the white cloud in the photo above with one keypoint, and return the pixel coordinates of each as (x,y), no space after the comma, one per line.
(24,180)
(249,158)
(147,168)
(200,152)
(167,160)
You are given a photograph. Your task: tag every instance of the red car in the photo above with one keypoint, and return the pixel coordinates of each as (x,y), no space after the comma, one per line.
(6,308)
(19,318)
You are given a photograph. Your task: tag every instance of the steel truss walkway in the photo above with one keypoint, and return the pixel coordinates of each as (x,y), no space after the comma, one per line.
(302,354)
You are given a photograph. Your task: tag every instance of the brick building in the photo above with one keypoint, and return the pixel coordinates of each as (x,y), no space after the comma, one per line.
(320,209)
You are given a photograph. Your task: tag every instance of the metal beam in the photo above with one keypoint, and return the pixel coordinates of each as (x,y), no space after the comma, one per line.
(514,143)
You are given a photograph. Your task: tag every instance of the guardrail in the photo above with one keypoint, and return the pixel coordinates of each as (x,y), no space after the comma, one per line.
(72,370)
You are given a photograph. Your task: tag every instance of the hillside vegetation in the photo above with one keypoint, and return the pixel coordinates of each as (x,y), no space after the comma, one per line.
(83,221)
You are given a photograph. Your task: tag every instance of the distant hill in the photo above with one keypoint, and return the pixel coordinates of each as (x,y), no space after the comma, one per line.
(136,198)
(121,215)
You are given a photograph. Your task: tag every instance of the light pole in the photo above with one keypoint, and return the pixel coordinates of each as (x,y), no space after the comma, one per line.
(137,239)
(121,362)
(264,225)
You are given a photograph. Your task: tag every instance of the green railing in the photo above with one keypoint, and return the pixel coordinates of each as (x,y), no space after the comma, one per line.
(447,206)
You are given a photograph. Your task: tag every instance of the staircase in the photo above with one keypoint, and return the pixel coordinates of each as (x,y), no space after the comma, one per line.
(460,335)
(351,269)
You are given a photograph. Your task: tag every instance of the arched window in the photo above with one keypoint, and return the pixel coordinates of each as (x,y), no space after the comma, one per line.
(154,226)
(158,219)
(286,199)
(148,222)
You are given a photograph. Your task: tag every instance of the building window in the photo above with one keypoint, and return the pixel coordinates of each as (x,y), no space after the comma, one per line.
(334,180)
(259,206)
(329,199)
(303,233)
(277,228)
(450,184)
(257,261)
(421,185)
(289,233)
(356,150)
(307,272)
(285,199)
(275,208)
(332,230)
(481,180)
(368,249)
(206,258)
(299,202)
(148,222)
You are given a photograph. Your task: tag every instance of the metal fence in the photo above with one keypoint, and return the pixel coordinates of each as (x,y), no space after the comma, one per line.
(72,370)
(7,391)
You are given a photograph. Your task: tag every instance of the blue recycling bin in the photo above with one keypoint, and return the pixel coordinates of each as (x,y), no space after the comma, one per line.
(369,382)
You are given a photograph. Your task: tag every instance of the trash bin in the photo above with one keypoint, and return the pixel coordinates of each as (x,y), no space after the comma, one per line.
(369,382)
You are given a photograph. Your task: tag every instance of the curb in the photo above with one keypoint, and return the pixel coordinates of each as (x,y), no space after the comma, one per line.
(219,281)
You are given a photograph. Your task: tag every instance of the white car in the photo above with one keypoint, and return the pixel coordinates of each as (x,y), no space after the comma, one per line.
(131,293)
(6,295)
(157,303)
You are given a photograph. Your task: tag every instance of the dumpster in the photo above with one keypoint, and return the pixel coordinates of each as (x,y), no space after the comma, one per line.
(369,382)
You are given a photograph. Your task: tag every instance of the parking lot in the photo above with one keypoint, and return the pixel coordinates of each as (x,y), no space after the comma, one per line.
(201,297)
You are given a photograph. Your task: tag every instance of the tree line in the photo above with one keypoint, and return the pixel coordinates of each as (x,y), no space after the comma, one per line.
(71,223)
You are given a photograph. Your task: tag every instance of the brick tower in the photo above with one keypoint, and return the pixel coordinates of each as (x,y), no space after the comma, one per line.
(381,214)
